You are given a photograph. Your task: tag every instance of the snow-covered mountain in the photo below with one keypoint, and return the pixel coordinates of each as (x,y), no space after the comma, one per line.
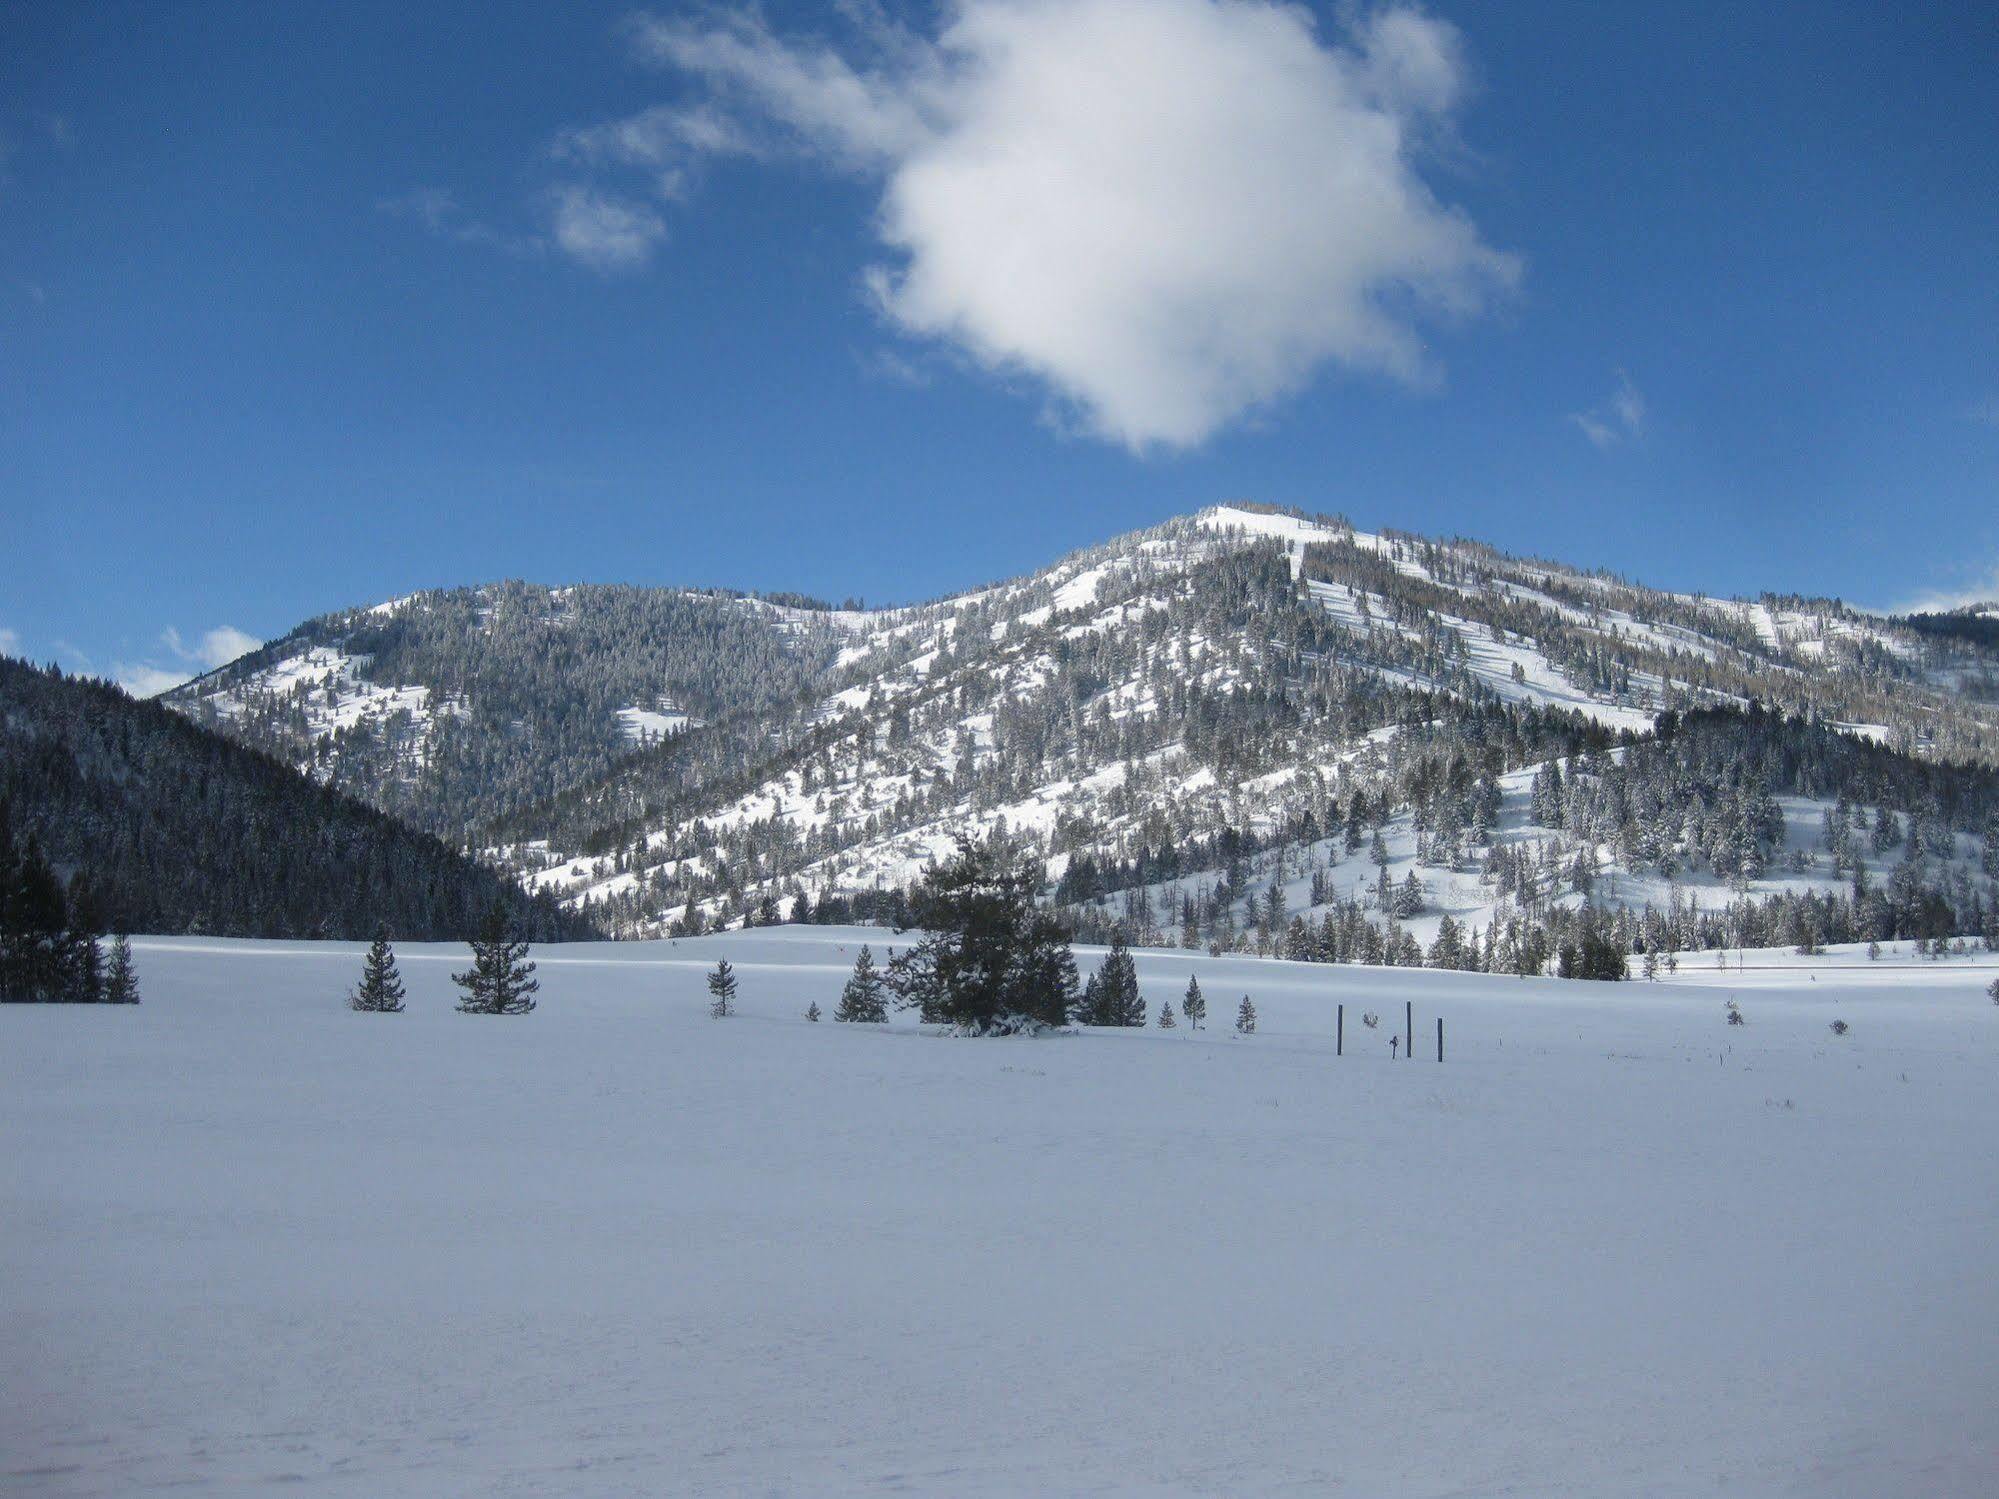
(1174,721)
(453,707)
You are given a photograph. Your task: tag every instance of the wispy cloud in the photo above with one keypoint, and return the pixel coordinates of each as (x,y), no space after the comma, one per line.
(10,643)
(1619,418)
(216,647)
(436,210)
(669,142)
(605,232)
(1166,215)
(1980,586)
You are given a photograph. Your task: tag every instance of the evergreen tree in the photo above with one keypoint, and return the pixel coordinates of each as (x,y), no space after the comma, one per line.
(1112,997)
(1166,1015)
(812,1011)
(722,988)
(1193,1005)
(498,982)
(121,983)
(1992,991)
(1409,897)
(381,988)
(1245,1017)
(865,998)
(991,960)
(34,945)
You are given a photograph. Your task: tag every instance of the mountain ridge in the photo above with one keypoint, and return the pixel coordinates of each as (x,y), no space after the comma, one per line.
(1214,672)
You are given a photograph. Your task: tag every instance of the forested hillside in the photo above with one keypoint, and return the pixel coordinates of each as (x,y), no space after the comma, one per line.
(453,708)
(162,826)
(1177,724)
(1179,721)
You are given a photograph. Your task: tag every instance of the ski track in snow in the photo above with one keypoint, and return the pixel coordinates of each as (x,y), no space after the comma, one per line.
(253,1242)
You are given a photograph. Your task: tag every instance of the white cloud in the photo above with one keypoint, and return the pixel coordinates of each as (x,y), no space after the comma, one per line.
(1620,418)
(216,647)
(10,643)
(1168,212)
(666,141)
(604,232)
(1982,588)
(438,211)
(144,680)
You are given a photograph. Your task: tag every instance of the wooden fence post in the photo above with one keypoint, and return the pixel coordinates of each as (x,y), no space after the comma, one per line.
(1340,1035)
(1409,1027)
(1440,1038)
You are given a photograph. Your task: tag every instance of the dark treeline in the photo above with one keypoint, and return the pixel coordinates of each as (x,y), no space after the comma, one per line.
(161,826)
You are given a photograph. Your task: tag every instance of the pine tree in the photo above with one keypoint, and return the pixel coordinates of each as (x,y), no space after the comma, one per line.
(812,1011)
(1245,1017)
(30,941)
(722,985)
(1166,1021)
(1193,1005)
(992,961)
(498,982)
(381,989)
(1112,997)
(121,984)
(1409,897)
(865,999)
(1992,991)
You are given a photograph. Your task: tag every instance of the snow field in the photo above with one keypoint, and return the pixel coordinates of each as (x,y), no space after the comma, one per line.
(1611,1246)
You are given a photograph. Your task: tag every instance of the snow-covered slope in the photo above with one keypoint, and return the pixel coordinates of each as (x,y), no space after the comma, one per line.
(1224,672)
(254,1243)
(1241,673)
(454,707)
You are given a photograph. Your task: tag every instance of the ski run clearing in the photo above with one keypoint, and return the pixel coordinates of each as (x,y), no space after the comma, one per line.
(254,1243)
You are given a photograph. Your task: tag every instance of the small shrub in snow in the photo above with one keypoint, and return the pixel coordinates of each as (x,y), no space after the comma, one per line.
(812,1011)
(1873,951)
(1370,1019)
(1245,1017)
(722,988)
(1992,991)
(1840,1027)
(1166,1021)
(1734,1011)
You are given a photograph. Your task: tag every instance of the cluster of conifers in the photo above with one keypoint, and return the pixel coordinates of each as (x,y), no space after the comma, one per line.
(1110,998)
(50,951)
(500,981)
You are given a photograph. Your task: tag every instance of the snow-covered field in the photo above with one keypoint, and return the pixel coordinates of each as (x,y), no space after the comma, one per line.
(250,1241)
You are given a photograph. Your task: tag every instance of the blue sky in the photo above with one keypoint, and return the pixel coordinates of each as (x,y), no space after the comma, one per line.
(305,306)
